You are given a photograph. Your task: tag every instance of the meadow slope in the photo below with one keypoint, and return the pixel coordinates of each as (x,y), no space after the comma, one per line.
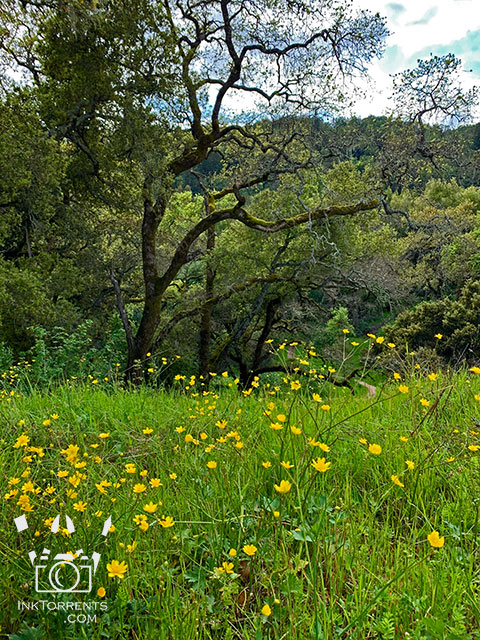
(289,511)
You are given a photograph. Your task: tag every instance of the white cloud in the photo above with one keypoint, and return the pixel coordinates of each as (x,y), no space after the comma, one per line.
(420,27)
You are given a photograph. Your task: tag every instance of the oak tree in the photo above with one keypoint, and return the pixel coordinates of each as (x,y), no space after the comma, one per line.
(151,89)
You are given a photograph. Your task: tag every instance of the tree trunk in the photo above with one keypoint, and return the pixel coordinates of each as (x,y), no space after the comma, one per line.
(206,316)
(143,339)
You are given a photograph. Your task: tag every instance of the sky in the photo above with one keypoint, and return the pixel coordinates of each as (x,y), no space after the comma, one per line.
(420,28)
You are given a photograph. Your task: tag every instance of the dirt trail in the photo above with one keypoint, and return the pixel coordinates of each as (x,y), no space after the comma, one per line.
(371,390)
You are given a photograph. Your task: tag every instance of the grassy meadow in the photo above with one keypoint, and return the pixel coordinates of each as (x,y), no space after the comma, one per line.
(295,509)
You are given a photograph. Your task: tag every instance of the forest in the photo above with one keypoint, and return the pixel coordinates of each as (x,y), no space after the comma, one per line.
(196,231)
(134,221)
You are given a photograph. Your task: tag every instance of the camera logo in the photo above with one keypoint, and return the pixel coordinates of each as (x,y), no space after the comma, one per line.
(65,572)
(62,575)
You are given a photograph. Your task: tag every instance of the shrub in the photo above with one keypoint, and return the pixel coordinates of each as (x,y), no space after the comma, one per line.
(456,321)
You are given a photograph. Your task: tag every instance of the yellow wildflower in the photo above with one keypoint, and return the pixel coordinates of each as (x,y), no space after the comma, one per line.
(321,465)
(139,488)
(276,426)
(166,522)
(22,441)
(116,569)
(396,480)
(227,567)
(283,487)
(150,507)
(435,539)
(250,549)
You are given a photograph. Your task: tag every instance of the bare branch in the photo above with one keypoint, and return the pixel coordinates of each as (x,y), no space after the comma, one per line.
(121,310)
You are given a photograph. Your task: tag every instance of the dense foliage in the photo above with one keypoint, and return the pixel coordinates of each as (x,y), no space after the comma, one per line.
(131,202)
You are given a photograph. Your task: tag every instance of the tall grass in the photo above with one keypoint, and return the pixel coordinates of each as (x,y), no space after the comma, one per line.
(344,553)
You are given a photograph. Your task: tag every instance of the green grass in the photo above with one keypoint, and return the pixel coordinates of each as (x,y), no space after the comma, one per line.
(346,556)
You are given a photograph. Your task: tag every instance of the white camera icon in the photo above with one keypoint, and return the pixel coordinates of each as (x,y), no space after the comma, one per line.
(63,575)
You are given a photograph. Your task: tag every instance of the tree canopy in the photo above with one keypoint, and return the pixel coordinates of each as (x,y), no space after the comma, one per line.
(157,145)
